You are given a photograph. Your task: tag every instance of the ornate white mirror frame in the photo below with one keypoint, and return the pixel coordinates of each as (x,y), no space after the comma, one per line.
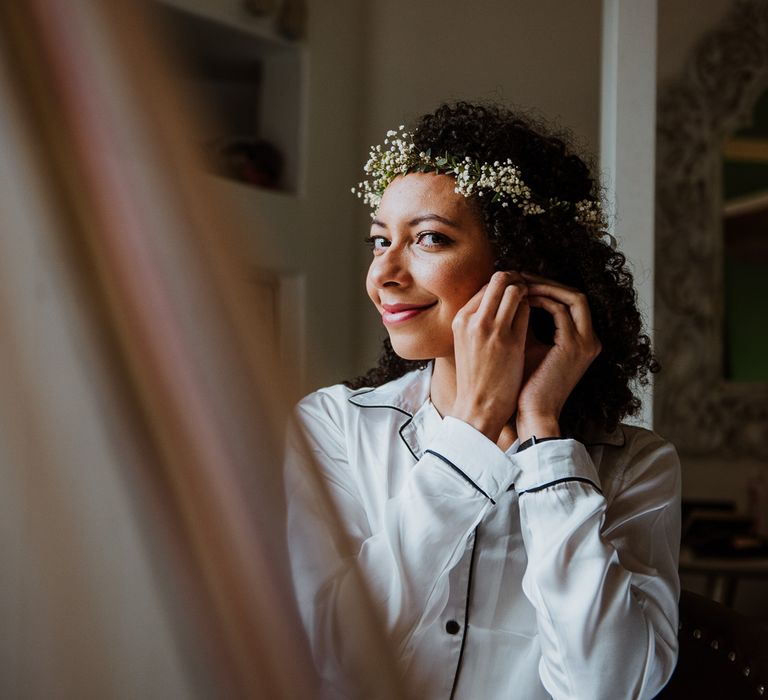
(695,406)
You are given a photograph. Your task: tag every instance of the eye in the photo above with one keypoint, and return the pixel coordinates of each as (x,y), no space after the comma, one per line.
(431,239)
(377,243)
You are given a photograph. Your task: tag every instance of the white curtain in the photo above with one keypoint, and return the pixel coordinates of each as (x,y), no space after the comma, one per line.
(141,507)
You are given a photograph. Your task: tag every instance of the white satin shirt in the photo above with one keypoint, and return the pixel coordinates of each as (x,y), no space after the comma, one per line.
(548,572)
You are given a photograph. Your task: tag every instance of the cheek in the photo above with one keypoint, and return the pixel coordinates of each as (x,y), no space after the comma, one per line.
(466,281)
(370,288)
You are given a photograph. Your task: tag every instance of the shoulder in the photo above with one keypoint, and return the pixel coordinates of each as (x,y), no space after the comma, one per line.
(336,395)
(337,403)
(628,440)
(324,407)
(641,443)
(639,454)
(342,420)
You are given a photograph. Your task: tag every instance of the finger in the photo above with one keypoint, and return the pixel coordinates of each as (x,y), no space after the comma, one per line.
(565,294)
(559,291)
(511,300)
(564,324)
(498,283)
(474,302)
(575,300)
(520,322)
(530,277)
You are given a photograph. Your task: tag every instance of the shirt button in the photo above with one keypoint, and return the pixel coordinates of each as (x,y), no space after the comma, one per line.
(452,627)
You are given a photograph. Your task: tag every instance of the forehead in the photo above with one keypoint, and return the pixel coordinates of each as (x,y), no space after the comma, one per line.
(416,193)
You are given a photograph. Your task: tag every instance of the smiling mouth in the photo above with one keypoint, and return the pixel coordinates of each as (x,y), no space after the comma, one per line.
(393,314)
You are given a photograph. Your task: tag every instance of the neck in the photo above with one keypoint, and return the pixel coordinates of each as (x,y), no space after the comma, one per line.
(442,389)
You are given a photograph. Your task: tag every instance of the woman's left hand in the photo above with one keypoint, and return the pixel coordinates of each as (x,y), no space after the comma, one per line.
(553,371)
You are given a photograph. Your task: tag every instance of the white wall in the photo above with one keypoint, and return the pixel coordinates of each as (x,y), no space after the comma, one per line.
(316,232)
(627,148)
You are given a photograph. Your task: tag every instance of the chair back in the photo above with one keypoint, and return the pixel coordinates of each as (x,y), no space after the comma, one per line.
(723,654)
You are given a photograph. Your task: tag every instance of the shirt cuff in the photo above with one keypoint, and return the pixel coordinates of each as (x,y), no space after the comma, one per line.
(551,462)
(474,456)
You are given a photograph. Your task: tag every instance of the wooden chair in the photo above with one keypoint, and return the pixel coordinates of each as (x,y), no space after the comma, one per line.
(723,654)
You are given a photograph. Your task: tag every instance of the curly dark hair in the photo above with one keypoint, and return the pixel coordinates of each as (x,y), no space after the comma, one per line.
(552,244)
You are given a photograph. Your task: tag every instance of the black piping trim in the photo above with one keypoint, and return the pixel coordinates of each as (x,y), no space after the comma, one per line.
(405,442)
(563,480)
(461,473)
(394,408)
(466,617)
(364,405)
(533,440)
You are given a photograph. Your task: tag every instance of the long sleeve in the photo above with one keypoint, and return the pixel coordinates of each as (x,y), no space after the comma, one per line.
(406,536)
(602,566)
(550,572)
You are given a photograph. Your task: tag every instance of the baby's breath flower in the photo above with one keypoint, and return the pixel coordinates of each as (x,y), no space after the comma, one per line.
(588,212)
(502,180)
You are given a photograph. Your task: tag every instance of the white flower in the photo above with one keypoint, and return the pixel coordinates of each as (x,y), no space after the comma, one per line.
(502,180)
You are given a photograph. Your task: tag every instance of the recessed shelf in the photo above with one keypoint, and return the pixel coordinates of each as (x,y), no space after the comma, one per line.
(249,83)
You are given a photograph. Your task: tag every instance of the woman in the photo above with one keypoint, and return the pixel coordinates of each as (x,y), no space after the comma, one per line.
(518,539)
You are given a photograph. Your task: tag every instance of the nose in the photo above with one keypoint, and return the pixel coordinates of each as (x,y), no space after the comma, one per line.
(389,269)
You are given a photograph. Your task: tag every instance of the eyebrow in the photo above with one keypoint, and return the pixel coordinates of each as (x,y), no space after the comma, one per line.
(421,219)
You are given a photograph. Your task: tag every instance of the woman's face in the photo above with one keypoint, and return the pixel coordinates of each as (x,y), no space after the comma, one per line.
(430,256)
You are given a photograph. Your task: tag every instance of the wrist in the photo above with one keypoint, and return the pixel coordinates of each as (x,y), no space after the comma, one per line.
(540,426)
(533,440)
(484,422)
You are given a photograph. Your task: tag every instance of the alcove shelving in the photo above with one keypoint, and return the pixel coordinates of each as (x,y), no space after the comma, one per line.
(247,79)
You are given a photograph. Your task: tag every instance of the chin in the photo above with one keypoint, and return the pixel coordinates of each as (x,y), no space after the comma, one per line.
(411,351)
(414,357)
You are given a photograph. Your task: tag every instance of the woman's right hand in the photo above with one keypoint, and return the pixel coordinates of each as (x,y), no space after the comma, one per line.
(489,348)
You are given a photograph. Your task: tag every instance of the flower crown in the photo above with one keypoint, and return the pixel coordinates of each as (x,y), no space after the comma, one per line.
(501,181)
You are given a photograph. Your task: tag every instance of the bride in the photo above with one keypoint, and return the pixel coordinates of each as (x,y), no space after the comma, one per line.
(517,537)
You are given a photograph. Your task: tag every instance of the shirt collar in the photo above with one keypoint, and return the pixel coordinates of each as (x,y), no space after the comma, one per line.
(406,394)
(410,392)
(616,438)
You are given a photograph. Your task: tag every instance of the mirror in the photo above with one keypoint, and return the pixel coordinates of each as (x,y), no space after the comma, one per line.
(710,110)
(745,249)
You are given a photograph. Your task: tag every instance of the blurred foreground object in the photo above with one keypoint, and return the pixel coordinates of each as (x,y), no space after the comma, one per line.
(141,508)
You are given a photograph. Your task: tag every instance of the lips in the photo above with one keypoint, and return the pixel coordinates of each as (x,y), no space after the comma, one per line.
(393,314)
